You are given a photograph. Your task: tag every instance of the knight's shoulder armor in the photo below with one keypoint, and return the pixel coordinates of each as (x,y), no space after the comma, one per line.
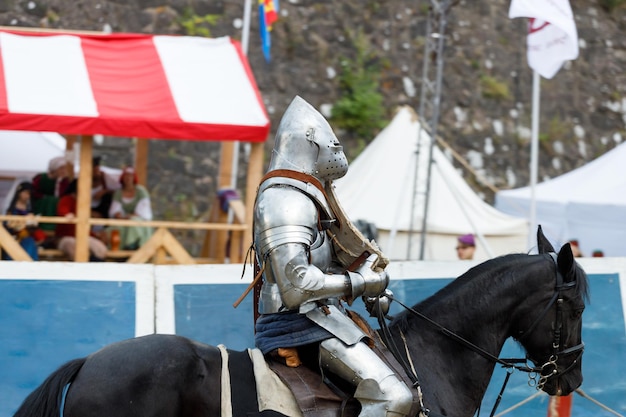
(284,214)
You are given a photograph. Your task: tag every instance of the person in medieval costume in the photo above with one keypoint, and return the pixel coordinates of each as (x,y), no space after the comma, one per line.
(48,187)
(303,277)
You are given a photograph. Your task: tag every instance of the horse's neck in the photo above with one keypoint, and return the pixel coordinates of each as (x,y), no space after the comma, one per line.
(478,311)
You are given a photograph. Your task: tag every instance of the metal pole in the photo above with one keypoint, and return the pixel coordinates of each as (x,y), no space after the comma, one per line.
(534,158)
(245,34)
(425,87)
(245,40)
(434,120)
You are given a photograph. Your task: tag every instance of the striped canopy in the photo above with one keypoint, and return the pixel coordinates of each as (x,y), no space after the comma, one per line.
(129,85)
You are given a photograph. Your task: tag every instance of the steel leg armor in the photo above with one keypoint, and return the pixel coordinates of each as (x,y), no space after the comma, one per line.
(379,390)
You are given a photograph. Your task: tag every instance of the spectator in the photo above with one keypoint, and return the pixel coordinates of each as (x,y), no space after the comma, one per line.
(131,202)
(575,248)
(465,247)
(25,232)
(48,187)
(102,188)
(66,233)
(101,191)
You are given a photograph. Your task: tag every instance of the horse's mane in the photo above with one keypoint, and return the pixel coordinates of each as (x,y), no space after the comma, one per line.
(493,271)
(488,270)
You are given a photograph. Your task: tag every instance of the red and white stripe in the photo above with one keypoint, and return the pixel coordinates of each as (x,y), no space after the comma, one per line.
(171,87)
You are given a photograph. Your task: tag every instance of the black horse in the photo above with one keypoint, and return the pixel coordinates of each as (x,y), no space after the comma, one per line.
(452,339)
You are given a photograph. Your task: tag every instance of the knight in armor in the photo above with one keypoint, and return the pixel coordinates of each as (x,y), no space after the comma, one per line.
(303,281)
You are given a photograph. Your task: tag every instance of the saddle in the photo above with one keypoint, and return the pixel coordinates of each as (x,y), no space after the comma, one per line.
(319,397)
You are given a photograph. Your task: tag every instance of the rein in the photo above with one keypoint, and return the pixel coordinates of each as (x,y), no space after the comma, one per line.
(509,363)
(545,371)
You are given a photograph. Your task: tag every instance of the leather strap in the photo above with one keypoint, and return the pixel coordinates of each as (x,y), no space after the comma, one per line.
(300,176)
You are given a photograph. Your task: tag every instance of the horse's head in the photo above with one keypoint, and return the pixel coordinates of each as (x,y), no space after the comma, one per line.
(553,340)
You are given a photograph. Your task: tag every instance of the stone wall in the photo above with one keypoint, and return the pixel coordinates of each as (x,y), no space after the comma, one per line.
(486,99)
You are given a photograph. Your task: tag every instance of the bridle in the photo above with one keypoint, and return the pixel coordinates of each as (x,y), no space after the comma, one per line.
(550,369)
(546,371)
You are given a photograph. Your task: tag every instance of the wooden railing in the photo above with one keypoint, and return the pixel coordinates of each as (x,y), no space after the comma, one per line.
(219,231)
(162,247)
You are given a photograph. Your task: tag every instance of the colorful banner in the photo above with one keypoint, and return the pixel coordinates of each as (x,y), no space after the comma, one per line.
(268,14)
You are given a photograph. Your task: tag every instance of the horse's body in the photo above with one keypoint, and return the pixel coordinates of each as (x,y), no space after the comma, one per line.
(511,296)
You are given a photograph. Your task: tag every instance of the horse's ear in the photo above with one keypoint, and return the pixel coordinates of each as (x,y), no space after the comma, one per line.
(565,262)
(543,245)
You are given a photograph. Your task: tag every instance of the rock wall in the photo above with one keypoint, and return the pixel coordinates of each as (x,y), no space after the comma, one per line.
(485,102)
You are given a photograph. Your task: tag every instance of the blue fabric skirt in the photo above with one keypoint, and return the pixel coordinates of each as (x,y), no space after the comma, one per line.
(288,329)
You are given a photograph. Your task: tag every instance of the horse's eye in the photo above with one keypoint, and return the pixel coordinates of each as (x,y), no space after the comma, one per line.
(577,314)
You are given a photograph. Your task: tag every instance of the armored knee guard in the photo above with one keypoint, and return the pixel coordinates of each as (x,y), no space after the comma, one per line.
(378,389)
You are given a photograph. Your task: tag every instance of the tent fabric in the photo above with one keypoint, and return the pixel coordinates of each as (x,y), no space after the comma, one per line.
(587,204)
(165,87)
(25,154)
(380,188)
(22,156)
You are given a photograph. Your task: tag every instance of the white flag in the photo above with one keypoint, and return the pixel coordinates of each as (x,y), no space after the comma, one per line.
(552,37)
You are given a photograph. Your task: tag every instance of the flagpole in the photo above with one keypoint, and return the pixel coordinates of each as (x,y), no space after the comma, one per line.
(245,40)
(534,157)
(245,34)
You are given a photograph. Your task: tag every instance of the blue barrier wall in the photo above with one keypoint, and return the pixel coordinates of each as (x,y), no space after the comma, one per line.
(53,313)
(45,323)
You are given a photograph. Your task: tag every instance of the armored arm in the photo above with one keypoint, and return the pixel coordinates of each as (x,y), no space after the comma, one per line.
(299,281)
(297,255)
(366,281)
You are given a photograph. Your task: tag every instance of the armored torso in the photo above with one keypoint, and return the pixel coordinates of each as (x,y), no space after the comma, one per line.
(287,229)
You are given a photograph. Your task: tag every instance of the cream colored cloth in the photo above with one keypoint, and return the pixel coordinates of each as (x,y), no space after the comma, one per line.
(67,245)
(272,393)
(227,408)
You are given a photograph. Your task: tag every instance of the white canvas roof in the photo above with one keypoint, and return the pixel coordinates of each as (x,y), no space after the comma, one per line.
(379,188)
(24,154)
(587,204)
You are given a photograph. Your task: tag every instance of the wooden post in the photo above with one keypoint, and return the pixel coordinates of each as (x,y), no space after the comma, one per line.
(141,160)
(157,247)
(255,173)
(226,164)
(12,247)
(216,241)
(83,205)
(70,140)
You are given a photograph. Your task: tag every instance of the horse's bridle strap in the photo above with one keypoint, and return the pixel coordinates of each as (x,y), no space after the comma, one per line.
(511,363)
(528,331)
(465,342)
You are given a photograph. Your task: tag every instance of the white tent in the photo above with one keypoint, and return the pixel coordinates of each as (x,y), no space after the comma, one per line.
(380,188)
(23,155)
(587,204)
